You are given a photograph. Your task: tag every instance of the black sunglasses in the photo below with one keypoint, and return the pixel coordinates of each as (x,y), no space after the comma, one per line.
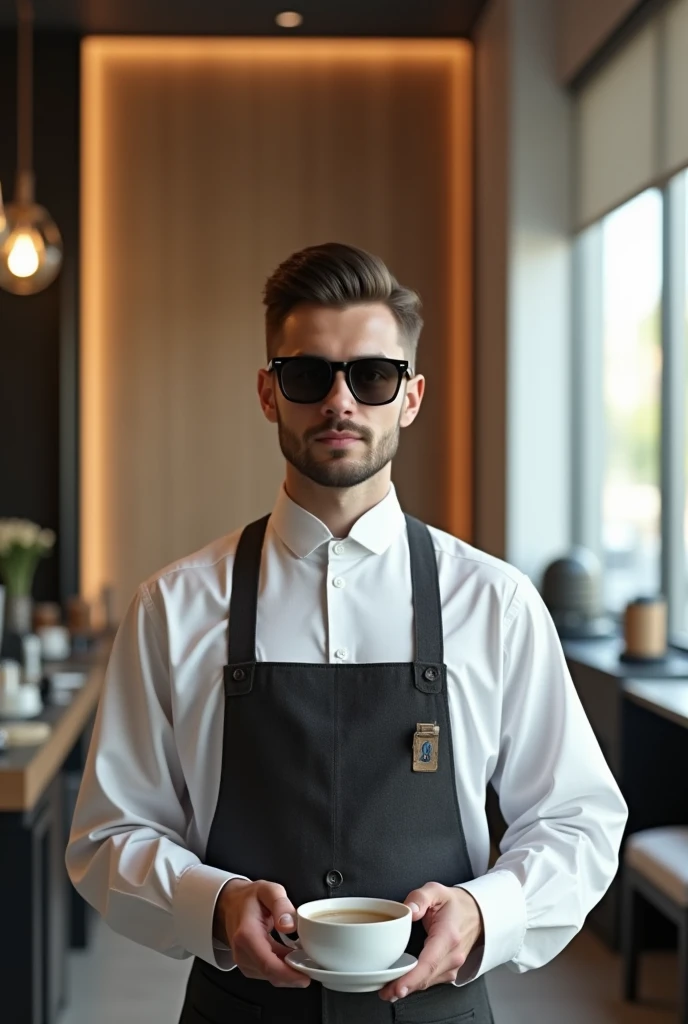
(372,381)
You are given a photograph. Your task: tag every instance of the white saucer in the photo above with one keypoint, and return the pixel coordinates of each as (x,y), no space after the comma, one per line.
(349,981)
(16,715)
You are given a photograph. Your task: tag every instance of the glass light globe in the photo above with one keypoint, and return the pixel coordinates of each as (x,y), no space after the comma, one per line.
(30,248)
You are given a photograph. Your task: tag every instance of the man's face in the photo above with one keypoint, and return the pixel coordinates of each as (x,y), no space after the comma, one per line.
(339,442)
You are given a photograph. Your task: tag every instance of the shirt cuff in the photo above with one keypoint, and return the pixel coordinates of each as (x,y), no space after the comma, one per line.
(502,905)
(194,909)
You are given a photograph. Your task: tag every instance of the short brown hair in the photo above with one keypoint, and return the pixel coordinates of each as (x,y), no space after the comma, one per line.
(334,274)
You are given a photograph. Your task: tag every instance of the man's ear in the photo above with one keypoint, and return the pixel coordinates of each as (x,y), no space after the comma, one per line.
(415,389)
(267,384)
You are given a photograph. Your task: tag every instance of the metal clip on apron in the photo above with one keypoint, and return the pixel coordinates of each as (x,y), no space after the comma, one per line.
(318,792)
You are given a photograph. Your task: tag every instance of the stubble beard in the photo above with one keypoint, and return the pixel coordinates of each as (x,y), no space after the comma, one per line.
(339,469)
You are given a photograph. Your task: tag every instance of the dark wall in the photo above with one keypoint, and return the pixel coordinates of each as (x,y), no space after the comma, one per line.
(38,334)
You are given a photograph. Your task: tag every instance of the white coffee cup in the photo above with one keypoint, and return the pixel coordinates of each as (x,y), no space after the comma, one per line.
(56,644)
(31,653)
(10,678)
(356,946)
(24,702)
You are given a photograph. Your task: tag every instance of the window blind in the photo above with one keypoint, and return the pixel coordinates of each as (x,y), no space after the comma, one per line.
(632,116)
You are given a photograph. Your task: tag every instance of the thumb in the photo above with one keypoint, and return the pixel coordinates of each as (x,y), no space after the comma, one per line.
(285,920)
(421,900)
(274,898)
(418,903)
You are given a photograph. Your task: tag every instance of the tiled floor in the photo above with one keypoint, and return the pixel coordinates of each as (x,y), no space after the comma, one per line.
(116,981)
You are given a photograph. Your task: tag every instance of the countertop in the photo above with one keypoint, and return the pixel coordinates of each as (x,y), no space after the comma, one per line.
(666,697)
(26,772)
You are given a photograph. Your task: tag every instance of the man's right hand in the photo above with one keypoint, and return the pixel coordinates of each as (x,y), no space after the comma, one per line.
(245,914)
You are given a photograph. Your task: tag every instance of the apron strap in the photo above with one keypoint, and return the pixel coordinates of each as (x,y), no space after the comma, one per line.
(427,603)
(243,605)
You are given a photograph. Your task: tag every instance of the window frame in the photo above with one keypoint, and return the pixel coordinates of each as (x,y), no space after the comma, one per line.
(673,406)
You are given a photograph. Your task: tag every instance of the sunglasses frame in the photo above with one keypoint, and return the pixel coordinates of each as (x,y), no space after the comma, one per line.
(401,365)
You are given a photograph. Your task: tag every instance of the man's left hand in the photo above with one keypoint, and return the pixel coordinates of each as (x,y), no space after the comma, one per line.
(454,925)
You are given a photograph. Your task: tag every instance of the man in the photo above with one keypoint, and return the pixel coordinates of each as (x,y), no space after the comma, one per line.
(254,743)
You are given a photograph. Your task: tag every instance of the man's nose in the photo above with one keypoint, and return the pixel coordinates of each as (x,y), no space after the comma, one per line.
(339,401)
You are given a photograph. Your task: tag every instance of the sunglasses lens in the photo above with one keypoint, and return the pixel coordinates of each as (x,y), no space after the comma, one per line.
(306,380)
(374,381)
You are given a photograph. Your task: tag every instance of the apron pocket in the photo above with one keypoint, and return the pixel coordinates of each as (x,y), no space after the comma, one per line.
(207,1002)
(440,1004)
(462,1018)
(234,1009)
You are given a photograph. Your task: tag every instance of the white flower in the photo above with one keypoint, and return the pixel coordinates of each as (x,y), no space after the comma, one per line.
(46,539)
(25,534)
(8,529)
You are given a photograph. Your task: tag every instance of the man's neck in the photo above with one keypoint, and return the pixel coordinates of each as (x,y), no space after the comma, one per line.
(338,508)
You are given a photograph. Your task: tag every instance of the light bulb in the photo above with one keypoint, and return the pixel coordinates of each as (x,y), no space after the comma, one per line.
(30,249)
(289,19)
(23,259)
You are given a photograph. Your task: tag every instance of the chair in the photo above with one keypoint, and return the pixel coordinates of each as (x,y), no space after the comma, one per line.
(656,870)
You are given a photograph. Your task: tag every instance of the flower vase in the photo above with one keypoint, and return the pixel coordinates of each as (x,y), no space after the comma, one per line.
(19,613)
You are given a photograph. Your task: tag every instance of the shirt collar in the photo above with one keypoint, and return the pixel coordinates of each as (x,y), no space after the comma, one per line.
(303,532)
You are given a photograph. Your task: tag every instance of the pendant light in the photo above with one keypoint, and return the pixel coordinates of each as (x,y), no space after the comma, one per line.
(30,242)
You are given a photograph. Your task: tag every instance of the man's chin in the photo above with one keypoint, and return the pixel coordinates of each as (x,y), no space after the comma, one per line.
(337,472)
(343,476)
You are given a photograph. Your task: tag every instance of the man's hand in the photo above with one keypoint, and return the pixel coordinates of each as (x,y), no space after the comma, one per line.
(245,914)
(454,925)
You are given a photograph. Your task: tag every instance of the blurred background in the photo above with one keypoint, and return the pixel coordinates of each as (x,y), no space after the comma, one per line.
(522,164)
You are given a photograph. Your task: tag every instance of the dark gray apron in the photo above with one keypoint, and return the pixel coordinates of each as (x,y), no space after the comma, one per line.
(318,793)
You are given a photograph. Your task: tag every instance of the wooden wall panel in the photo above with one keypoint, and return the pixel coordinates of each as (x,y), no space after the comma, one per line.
(205,163)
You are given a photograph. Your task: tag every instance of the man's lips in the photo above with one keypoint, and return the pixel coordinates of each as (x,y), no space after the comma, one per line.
(337,439)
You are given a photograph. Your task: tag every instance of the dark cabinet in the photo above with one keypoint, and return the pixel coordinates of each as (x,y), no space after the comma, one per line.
(35,911)
(81,914)
(646,753)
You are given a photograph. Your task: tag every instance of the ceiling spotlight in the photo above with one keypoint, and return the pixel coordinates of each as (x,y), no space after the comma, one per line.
(289,19)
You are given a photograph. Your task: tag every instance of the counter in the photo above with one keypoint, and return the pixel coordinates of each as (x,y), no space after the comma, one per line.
(42,913)
(26,772)
(667,699)
(630,709)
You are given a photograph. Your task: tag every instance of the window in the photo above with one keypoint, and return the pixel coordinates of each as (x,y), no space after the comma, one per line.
(631,401)
(631,389)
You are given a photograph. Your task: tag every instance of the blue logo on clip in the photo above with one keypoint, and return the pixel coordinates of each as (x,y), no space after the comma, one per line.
(426,752)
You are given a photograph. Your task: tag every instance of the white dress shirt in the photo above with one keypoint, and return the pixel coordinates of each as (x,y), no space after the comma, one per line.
(151,782)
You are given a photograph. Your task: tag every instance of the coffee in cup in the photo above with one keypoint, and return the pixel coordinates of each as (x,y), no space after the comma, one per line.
(353,933)
(351,916)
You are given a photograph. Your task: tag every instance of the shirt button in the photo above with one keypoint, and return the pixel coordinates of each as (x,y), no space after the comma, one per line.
(334,879)
(339,549)
(341,653)
(338,582)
